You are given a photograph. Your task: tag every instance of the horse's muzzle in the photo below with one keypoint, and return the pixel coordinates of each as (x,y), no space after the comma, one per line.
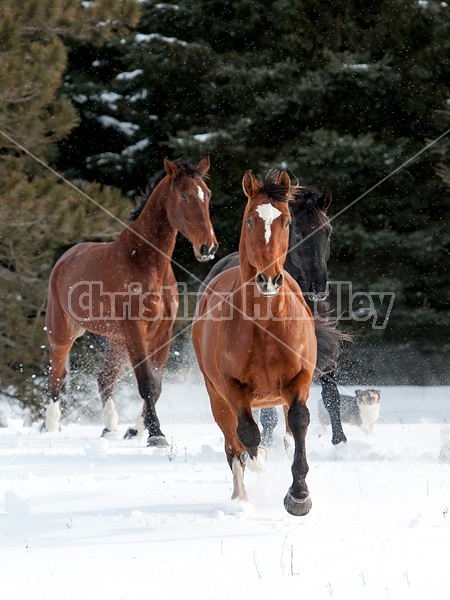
(206,253)
(269,286)
(316,296)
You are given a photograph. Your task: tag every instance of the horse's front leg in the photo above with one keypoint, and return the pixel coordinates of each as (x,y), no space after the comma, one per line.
(241,433)
(298,501)
(332,402)
(149,385)
(247,430)
(148,379)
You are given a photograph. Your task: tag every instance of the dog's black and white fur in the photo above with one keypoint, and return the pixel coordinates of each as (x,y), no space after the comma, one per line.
(361,410)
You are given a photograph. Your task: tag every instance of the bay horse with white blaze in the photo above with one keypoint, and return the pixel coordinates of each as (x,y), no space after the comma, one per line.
(126,291)
(307,263)
(253,335)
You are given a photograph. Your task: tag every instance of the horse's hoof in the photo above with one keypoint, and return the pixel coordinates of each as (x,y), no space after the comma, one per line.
(157,441)
(299,507)
(130,433)
(109,433)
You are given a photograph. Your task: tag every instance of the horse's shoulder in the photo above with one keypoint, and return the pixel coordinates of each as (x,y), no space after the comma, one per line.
(296,291)
(291,284)
(226,281)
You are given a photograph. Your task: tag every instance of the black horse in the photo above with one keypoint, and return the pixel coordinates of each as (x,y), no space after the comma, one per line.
(306,262)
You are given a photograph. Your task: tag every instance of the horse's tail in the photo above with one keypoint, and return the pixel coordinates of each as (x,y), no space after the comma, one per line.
(329,340)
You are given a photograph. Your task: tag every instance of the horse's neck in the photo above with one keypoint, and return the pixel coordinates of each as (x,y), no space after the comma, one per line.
(247,272)
(249,295)
(151,237)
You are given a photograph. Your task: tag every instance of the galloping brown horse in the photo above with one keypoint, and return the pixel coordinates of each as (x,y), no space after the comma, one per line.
(253,335)
(126,291)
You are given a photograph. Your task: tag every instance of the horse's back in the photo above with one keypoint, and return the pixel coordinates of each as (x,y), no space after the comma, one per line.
(72,264)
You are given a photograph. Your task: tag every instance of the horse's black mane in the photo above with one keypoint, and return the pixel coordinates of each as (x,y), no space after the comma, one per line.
(187,168)
(276,191)
(310,199)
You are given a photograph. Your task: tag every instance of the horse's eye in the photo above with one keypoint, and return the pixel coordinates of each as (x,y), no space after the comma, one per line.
(184,198)
(250,223)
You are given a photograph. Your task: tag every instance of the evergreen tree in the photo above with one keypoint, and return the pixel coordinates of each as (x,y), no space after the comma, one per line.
(339,93)
(41,215)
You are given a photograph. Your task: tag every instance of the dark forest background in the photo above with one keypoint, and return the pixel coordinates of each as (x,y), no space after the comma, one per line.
(339,93)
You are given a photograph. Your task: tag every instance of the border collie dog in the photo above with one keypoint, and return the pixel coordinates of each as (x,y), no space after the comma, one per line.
(361,410)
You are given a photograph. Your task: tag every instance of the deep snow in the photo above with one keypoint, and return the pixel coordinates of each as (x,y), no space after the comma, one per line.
(86,517)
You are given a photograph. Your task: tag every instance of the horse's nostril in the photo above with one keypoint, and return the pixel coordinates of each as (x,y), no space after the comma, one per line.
(214,248)
(204,250)
(261,278)
(278,280)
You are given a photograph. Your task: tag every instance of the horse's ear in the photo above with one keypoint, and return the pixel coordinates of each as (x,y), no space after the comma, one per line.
(204,164)
(171,168)
(325,200)
(284,179)
(250,184)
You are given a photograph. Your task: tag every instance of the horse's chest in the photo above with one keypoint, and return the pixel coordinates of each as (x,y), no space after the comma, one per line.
(269,366)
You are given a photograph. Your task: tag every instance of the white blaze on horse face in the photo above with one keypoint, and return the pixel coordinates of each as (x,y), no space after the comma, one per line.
(201,193)
(268,214)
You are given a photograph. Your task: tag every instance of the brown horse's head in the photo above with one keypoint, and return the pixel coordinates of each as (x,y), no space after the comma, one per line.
(188,207)
(265,230)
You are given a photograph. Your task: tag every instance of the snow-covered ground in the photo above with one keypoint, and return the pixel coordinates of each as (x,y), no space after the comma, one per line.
(83,517)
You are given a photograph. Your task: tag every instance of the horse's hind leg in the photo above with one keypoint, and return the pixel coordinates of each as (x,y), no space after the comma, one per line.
(61,336)
(269,420)
(57,373)
(106,382)
(332,402)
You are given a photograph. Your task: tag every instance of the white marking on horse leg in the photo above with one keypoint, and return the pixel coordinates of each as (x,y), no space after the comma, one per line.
(140,425)
(289,446)
(268,214)
(201,193)
(257,464)
(52,416)
(110,417)
(238,480)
